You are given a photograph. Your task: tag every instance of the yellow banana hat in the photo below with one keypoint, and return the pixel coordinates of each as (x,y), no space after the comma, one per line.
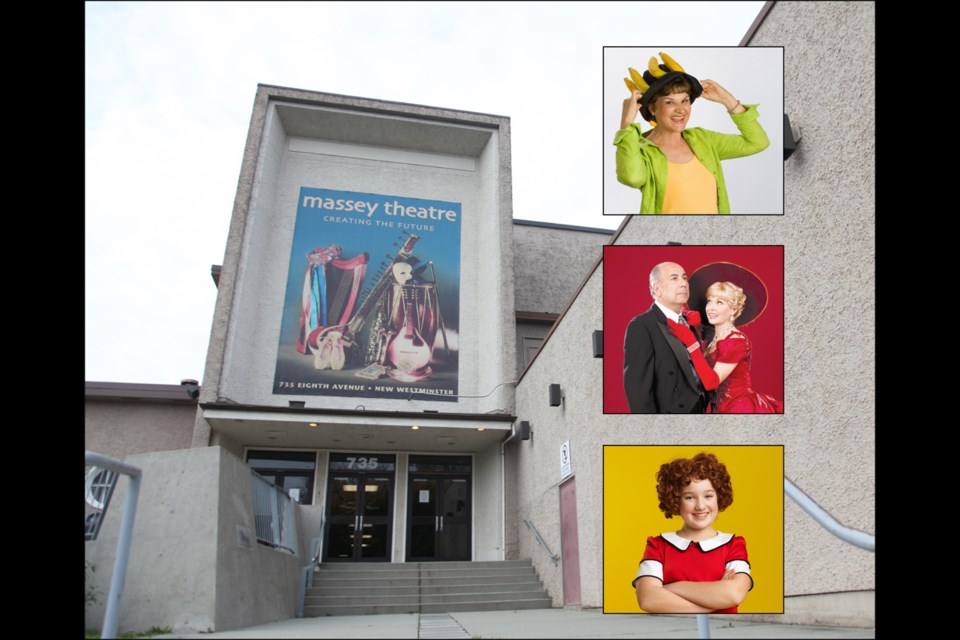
(656,77)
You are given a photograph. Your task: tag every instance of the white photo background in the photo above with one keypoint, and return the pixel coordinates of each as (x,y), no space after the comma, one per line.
(754,75)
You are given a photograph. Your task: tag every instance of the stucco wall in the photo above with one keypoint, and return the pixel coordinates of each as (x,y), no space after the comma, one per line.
(549,264)
(244,343)
(118,429)
(828,430)
(568,361)
(487,505)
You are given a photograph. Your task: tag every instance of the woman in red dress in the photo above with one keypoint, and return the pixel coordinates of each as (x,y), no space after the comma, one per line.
(729,353)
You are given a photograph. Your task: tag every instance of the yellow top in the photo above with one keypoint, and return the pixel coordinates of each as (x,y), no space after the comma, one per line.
(691,188)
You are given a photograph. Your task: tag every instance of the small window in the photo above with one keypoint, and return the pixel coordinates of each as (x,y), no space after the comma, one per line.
(293,471)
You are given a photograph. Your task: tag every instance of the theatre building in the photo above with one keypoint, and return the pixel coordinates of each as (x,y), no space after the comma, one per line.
(368,335)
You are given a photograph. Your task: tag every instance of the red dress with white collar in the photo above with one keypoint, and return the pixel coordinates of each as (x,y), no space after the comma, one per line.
(670,558)
(736,394)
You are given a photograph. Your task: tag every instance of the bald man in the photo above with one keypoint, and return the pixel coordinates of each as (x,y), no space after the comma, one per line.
(658,376)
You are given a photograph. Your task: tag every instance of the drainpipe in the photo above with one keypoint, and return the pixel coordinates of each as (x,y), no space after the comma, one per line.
(503,491)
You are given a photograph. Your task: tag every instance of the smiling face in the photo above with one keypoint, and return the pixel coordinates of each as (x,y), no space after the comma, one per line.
(672,112)
(670,287)
(718,311)
(725,303)
(698,509)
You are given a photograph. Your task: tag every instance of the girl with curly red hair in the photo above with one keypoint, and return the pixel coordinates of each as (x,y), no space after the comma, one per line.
(696,569)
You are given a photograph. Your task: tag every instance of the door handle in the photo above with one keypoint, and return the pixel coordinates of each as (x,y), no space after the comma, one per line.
(441,523)
(436,523)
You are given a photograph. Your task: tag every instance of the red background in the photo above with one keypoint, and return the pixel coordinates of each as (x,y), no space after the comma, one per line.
(626,293)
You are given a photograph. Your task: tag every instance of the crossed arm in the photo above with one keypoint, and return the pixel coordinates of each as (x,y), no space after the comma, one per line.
(692,597)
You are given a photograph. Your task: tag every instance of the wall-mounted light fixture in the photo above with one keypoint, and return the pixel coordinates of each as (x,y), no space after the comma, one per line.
(555,395)
(598,343)
(791,136)
(192,387)
(671,243)
(524,430)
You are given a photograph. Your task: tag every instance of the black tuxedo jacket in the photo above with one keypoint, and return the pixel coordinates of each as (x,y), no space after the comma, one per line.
(657,375)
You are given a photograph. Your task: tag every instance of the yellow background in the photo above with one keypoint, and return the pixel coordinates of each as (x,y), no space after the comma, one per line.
(630,515)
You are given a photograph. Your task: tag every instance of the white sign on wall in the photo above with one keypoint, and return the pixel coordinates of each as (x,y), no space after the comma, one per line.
(565,465)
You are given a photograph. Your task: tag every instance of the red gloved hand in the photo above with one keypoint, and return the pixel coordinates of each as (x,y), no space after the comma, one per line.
(693,318)
(683,334)
(708,376)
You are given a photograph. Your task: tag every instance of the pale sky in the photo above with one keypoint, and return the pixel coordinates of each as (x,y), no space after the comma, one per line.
(170,88)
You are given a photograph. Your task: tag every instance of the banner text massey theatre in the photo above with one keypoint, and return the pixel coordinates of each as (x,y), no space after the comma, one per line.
(395,333)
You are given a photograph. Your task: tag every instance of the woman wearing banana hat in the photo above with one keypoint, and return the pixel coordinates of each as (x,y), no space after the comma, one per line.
(677,168)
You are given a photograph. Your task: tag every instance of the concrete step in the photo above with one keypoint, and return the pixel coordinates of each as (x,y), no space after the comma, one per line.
(491,596)
(469,573)
(490,587)
(404,566)
(490,579)
(425,590)
(374,590)
(482,605)
(360,583)
(465,605)
(427,587)
(409,599)
(392,577)
(358,610)
(482,564)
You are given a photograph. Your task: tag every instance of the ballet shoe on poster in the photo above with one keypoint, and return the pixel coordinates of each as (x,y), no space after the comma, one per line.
(337,357)
(321,358)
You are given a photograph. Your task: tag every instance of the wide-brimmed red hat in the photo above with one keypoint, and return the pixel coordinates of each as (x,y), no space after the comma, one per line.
(752,286)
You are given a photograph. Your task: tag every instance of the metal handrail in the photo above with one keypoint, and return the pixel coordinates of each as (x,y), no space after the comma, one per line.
(282,532)
(536,534)
(828,522)
(306,571)
(821,517)
(112,614)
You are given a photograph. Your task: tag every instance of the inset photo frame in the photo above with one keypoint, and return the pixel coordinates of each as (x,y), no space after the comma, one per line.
(722,543)
(736,152)
(728,359)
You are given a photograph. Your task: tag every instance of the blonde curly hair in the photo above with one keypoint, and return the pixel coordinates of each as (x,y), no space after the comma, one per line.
(731,293)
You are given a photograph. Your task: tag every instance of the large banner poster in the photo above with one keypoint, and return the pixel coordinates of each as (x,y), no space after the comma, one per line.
(372,305)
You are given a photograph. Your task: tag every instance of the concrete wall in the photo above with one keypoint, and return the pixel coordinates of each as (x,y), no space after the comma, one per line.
(255,583)
(117,428)
(244,341)
(567,359)
(487,505)
(828,430)
(550,263)
(194,561)
(171,574)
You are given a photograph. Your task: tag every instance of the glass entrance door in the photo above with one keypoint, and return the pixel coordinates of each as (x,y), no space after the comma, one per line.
(359,514)
(439,521)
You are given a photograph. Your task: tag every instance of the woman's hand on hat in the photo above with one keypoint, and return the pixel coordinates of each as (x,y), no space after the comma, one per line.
(631,106)
(713,92)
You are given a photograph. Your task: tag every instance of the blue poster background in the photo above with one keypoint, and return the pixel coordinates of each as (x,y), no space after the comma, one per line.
(377,225)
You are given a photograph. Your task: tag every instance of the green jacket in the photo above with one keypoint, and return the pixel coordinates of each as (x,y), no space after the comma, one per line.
(642,165)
